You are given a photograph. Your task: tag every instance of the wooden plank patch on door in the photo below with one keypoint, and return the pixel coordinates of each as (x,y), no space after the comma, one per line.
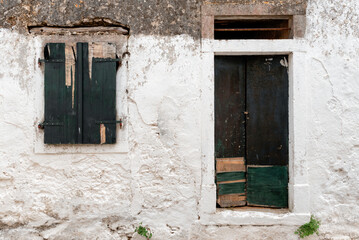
(267,186)
(231,182)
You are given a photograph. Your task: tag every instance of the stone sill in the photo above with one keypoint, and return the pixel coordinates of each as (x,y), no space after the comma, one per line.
(255,216)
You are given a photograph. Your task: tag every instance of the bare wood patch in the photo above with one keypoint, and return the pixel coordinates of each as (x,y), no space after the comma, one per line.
(100,50)
(231,200)
(230,165)
(103,133)
(69,64)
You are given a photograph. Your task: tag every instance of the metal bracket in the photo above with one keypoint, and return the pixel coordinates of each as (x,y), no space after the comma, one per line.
(110,122)
(107,60)
(43,124)
(39,61)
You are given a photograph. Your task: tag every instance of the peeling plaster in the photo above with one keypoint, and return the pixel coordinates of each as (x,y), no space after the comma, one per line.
(158,180)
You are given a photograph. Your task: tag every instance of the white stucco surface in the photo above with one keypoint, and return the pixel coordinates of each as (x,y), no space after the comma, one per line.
(157,177)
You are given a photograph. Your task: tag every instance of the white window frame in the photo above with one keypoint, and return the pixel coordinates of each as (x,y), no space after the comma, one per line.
(298,188)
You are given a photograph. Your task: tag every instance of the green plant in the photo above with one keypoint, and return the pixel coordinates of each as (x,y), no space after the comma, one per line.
(144,231)
(309,228)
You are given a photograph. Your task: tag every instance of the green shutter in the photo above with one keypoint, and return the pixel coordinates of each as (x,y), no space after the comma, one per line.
(80,108)
(60,116)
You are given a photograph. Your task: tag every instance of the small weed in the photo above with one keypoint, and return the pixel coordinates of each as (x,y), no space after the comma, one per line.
(309,228)
(144,231)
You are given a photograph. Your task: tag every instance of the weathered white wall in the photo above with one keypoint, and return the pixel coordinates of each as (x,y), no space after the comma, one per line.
(158,181)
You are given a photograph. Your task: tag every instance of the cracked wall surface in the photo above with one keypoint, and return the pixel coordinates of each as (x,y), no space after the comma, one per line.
(157,181)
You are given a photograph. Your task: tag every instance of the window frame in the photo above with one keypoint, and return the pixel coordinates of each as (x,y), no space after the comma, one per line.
(298,211)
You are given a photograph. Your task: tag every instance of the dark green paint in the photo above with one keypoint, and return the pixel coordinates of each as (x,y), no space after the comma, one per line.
(267,186)
(230,176)
(230,188)
(58,98)
(95,99)
(99,102)
(80,48)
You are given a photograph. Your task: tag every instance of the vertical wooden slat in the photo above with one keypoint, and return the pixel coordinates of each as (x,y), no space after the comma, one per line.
(79,83)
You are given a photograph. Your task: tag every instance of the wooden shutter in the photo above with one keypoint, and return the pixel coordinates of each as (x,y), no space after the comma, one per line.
(267,131)
(99,92)
(230,130)
(60,114)
(80,94)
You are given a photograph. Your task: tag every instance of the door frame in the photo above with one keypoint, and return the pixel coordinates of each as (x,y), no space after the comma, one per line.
(298,211)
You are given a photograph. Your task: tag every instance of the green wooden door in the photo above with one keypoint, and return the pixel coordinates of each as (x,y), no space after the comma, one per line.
(251,110)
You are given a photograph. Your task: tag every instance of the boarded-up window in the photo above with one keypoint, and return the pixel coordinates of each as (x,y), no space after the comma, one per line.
(80,93)
(251,130)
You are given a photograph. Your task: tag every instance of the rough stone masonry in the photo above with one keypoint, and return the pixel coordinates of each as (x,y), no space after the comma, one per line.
(154,176)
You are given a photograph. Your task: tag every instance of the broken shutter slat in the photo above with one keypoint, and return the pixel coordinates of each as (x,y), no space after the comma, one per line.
(58,98)
(267,186)
(99,99)
(231,182)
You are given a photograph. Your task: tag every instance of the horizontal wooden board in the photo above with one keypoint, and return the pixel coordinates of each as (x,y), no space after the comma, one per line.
(267,186)
(231,200)
(230,176)
(234,181)
(230,188)
(230,165)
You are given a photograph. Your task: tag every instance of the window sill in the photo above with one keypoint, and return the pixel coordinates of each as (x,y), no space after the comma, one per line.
(121,146)
(254,216)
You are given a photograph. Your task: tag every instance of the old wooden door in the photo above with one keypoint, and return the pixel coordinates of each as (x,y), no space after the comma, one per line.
(251,130)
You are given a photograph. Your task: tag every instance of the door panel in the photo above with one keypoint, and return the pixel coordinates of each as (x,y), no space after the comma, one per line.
(230,130)
(267,105)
